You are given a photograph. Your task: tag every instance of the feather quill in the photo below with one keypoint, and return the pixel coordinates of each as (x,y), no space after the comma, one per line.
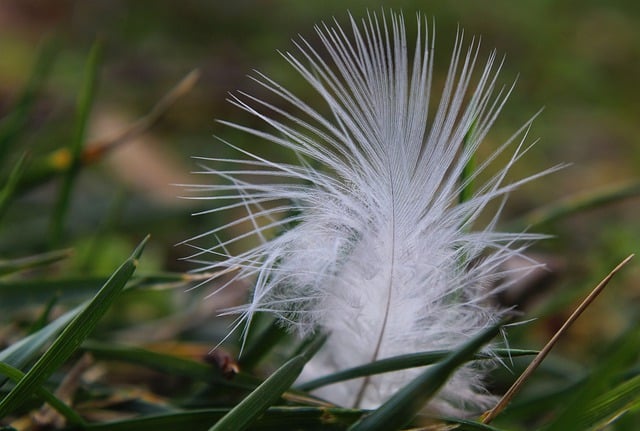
(375,246)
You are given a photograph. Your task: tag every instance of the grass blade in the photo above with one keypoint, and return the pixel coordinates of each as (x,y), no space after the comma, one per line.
(488,416)
(12,124)
(469,425)
(167,363)
(612,404)
(9,189)
(403,406)
(402,362)
(85,101)
(66,411)
(275,418)
(265,395)
(72,335)
(35,261)
(258,348)
(578,204)
(587,405)
(26,350)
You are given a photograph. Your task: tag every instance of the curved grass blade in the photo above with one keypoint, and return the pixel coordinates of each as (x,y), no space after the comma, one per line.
(402,362)
(403,406)
(578,203)
(70,415)
(72,335)
(265,395)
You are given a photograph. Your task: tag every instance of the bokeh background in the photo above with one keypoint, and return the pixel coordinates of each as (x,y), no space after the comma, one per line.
(579,60)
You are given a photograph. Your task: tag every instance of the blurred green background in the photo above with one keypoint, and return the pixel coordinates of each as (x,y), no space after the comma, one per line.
(579,60)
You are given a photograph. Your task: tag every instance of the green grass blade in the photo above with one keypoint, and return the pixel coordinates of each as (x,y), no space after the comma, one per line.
(15,265)
(17,293)
(66,411)
(10,186)
(275,418)
(402,362)
(72,335)
(85,101)
(265,395)
(44,316)
(14,123)
(466,176)
(624,351)
(404,405)
(577,204)
(26,350)
(258,348)
(612,404)
(170,364)
(469,425)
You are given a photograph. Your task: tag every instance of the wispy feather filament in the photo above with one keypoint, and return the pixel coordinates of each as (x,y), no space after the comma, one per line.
(376,247)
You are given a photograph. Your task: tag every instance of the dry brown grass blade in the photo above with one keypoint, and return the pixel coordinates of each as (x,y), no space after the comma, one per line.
(96,150)
(47,416)
(488,416)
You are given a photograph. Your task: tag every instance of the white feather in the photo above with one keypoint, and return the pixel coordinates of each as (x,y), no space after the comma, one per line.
(376,248)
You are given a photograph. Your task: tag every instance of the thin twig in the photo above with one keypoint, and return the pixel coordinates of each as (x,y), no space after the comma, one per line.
(488,416)
(579,203)
(96,150)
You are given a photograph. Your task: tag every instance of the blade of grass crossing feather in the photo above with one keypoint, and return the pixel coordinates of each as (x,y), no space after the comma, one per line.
(468,425)
(466,192)
(85,101)
(66,411)
(624,351)
(402,362)
(11,184)
(268,393)
(72,335)
(405,404)
(14,123)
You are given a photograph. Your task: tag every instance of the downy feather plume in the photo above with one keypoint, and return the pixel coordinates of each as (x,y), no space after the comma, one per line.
(374,244)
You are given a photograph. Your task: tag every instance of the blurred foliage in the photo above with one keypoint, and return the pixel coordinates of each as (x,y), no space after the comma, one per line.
(86,171)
